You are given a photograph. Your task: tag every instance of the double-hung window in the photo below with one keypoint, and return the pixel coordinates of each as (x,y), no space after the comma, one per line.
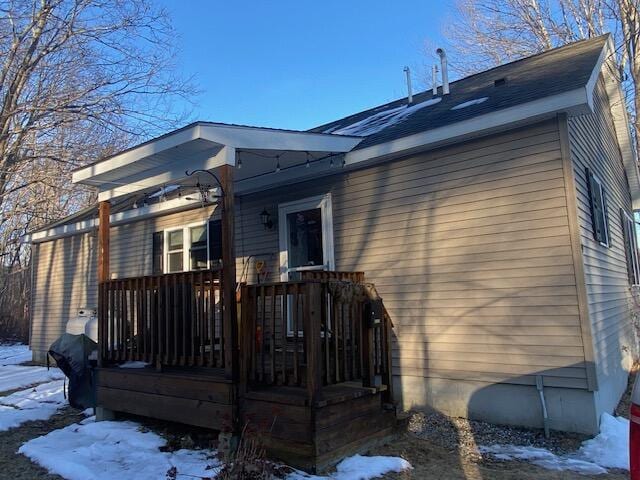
(189,247)
(630,247)
(598,204)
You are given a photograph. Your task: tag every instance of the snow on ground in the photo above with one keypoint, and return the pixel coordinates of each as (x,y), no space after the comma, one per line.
(14,376)
(38,403)
(92,450)
(112,450)
(381,120)
(475,101)
(14,354)
(359,467)
(608,449)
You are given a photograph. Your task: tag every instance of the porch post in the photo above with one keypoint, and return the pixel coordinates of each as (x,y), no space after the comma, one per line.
(104,211)
(229,312)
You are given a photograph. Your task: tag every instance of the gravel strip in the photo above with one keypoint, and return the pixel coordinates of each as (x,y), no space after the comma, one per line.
(464,436)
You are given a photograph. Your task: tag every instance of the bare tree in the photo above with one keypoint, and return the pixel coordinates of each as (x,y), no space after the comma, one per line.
(79,80)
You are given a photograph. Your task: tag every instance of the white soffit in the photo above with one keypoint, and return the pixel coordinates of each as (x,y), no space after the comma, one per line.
(206,146)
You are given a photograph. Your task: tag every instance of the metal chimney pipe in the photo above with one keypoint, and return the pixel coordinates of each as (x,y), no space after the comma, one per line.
(445,73)
(407,72)
(434,78)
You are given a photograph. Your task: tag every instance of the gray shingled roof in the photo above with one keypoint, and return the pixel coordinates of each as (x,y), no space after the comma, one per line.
(549,73)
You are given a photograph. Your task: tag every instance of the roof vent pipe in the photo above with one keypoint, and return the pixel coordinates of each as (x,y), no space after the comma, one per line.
(407,72)
(434,78)
(445,73)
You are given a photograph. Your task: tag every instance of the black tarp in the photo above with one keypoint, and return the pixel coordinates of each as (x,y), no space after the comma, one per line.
(73,354)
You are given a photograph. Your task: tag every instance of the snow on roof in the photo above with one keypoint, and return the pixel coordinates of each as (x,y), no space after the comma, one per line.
(381,120)
(469,103)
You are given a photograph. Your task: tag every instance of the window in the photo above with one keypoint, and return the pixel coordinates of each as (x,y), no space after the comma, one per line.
(598,204)
(630,247)
(198,251)
(175,250)
(192,247)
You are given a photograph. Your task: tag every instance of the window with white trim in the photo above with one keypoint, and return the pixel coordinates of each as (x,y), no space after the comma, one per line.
(630,247)
(196,246)
(598,205)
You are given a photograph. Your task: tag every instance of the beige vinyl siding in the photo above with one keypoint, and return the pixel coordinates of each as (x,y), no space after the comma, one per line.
(64,280)
(65,270)
(132,243)
(469,247)
(594,145)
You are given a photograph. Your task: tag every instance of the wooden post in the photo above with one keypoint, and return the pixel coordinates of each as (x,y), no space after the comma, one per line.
(312,338)
(104,212)
(229,305)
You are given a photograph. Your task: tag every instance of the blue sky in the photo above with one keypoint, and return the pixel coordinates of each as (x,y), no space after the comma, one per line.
(298,64)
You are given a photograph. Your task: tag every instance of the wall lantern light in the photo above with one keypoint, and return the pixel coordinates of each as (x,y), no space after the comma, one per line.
(265,219)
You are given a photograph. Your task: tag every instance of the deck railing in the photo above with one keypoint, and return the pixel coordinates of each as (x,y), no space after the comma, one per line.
(314,332)
(167,320)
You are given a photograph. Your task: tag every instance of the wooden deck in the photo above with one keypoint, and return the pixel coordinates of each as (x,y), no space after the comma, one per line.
(313,377)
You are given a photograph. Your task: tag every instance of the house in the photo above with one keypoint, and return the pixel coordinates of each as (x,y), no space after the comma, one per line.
(496,223)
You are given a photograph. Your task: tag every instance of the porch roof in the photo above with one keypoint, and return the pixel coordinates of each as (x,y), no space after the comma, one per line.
(256,152)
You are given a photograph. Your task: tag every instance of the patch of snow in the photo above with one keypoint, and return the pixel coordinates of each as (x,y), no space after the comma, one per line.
(13,377)
(381,120)
(14,354)
(134,364)
(543,458)
(359,467)
(107,450)
(475,101)
(608,449)
(38,403)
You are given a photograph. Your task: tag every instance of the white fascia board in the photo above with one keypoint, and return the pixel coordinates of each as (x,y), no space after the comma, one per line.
(228,135)
(133,155)
(127,216)
(269,139)
(168,174)
(574,101)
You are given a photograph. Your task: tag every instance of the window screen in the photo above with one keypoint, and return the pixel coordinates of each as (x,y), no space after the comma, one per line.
(630,247)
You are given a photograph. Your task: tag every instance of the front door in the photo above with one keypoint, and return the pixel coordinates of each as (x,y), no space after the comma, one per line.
(306,236)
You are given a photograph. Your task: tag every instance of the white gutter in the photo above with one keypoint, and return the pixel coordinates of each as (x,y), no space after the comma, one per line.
(127,216)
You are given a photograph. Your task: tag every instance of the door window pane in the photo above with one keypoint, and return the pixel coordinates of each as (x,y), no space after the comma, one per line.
(305,238)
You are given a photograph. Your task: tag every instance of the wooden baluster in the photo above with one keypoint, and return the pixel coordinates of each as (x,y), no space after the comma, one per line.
(247,338)
(168,306)
(176,318)
(368,374)
(327,303)
(212,322)
(201,319)
(352,338)
(388,375)
(272,336)
(359,322)
(294,323)
(343,325)
(285,331)
(158,319)
(112,321)
(311,332)
(336,341)
(263,324)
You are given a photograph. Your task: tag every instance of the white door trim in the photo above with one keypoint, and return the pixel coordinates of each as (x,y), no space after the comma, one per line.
(319,201)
